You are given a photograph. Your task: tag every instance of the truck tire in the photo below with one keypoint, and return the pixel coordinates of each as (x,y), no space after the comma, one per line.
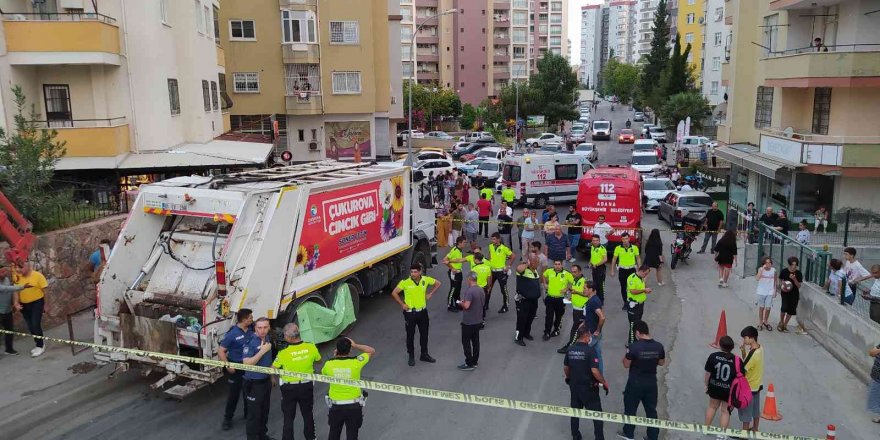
(355,289)
(314,297)
(421,258)
(541,201)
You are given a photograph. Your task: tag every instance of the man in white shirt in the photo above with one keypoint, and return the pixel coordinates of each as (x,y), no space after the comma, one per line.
(873,296)
(853,269)
(686,187)
(602,229)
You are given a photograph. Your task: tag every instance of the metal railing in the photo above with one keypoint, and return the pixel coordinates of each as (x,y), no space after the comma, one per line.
(807,135)
(779,247)
(58,16)
(81,123)
(856,47)
(87,205)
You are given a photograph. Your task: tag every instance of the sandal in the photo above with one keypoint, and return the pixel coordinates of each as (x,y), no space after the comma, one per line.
(801,331)
(768,327)
(876,420)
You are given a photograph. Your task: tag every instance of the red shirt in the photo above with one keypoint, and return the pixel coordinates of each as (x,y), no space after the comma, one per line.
(484,207)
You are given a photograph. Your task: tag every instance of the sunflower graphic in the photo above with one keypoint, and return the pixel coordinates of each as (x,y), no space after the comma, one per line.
(302,256)
(397,200)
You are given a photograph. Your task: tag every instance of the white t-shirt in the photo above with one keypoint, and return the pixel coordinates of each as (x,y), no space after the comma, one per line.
(803,237)
(766,284)
(875,289)
(528,230)
(686,187)
(854,271)
(602,230)
(509,211)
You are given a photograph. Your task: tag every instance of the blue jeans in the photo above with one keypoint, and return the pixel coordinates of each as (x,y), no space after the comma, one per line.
(874,397)
(596,343)
(573,240)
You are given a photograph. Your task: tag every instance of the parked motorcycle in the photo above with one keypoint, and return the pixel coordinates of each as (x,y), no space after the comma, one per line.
(681,246)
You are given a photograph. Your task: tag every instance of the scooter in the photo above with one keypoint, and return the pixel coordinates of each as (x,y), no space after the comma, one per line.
(681,247)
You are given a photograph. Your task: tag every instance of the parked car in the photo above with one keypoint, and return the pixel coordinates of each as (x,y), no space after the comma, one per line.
(476,136)
(693,144)
(649,145)
(626,136)
(435,166)
(657,133)
(438,135)
(416,134)
(578,126)
(486,173)
(587,149)
(645,128)
(543,138)
(639,117)
(427,154)
(645,161)
(462,148)
(680,204)
(577,136)
(494,152)
(470,166)
(656,189)
(601,129)
(552,148)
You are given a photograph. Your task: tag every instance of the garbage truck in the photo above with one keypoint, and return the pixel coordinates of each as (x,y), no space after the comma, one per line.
(301,243)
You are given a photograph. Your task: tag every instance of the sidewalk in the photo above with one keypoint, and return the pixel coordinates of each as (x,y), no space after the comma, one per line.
(813,389)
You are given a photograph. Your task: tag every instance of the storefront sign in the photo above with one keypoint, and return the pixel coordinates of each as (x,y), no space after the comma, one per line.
(342,138)
(785,149)
(822,154)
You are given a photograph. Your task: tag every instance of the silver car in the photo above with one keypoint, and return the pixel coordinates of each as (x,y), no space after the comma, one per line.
(656,189)
(587,149)
(677,205)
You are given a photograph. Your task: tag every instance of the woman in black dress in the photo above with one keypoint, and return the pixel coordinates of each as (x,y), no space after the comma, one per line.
(654,254)
(725,256)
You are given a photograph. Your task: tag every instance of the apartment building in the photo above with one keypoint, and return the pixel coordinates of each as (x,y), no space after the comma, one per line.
(622,19)
(133,88)
(716,34)
(591,44)
(690,27)
(549,30)
(327,73)
(800,127)
(672,17)
(645,33)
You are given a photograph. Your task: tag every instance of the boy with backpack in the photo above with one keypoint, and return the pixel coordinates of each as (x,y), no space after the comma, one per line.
(753,354)
(723,370)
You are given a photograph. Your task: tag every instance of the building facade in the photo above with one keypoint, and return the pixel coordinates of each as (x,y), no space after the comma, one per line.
(800,129)
(591,44)
(647,9)
(622,30)
(690,27)
(133,88)
(326,73)
(716,35)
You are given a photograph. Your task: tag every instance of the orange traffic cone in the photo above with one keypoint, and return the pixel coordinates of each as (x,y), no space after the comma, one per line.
(722,330)
(770,412)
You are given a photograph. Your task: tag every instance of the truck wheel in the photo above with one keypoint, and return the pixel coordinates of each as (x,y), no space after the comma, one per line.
(355,290)
(312,297)
(540,201)
(421,258)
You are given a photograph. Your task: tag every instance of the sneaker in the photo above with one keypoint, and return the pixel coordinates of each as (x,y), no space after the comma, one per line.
(465,367)
(529,337)
(519,342)
(11,352)
(411,362)
(621,435)
(425,357)
(563,349)
(503,309)
(227,424)
(554,334)
(37,351)
(546,336)
(661,284)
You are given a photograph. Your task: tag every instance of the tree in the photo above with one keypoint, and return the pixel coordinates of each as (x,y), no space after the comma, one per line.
(529,101)
(432,102)
(556,87)
(620,79)
(657,59)
(676,76)
(679,106)
(30,154)
(468,117)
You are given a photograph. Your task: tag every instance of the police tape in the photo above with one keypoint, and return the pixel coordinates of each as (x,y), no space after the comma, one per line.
(449,396)
(615,230)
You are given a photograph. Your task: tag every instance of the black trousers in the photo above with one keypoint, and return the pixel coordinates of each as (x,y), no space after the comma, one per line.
(413,320)
(586,398)
(873,312)
(454,289)
(6,324)
(350,416)
(554,308)
(32,313)
(236,389)
(577,317)
(501,277)
(644,392)
(526,310)
(633,314)
(622,275)
(598,274)
(470,342)
(302,394)
(484,227)
(257,398)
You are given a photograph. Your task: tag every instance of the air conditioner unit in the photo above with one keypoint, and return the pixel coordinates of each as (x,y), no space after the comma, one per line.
(313,146)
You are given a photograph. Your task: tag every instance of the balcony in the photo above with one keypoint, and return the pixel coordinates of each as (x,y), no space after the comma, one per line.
(426,3)
(501,72)
(91,137)
(501,5)
(298,5)
(304,103)
(499,57)
(501,21)
(802,146)
(292,53)
(427,39)
(428,75)
(779,5)
(500,38)
(49,39)
(853,65)
(428,57)
(427,20)
(221,57)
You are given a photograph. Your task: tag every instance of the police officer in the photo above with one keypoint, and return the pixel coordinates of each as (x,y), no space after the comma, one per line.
(528,291)
(298,357)
(453,261)
(636,294)
(230,351)
(508,194)
(486,192)
(581,368)
(557,281)
(480,266)
(258,386)
(415,310)
(346,402)
(578,301)
(598,258)
(642,359)
(626,259)
(500,260)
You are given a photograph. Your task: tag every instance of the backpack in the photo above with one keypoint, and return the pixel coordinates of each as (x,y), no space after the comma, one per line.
(740,390)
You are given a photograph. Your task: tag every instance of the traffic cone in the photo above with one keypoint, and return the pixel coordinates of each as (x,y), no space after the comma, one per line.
(722,330)
(831,434)
(770,412)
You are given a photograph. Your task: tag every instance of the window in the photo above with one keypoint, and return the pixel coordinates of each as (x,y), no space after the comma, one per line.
(216,22)
(246,82)
(301,135)
(200,18)
(344,32)
(716,63)
(206,95)
(691,2)
(209,20)
(406,52)
(719,14)
(174,96)
(407,71)
(763,107)
(215,98)
(520,18)
(714,88)
(566,172)
(689,19)
(556,41)
(821,110)
(771,33)
(58,108)
(302,78)
(406,33)
(314,134)
(519,53)
(718,38)
(346,83)
(519,36)
(298,27)
(221,83)
(689,37)
(163,10)
(242,30)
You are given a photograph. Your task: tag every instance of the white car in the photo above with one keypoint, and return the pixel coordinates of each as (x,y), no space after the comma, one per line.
(657,133)
(438,135)
(477,136)
(434,166)
(470,166)
(645,161)
(655,189)
(587,149)
(544,138)
(552,148)
(645,128)
(427,155)
(577,136)
(416,134)
(488,172)
(491,152)
(693,143)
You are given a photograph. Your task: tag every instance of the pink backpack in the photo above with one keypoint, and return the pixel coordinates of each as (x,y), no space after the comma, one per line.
(740,390)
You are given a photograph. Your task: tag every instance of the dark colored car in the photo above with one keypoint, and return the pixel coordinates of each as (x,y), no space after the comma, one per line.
(465,148)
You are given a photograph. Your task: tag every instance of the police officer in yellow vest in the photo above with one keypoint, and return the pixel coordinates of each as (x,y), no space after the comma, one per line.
(500,259)
(598,258)
(578,301)
(453,261)
(346,402)
(626,259)
(487,192)
(636,294)
(481,267)
(415,309)
(557,281)
(508,194)
(297,357)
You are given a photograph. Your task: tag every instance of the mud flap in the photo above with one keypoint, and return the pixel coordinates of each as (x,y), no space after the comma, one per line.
(319,324)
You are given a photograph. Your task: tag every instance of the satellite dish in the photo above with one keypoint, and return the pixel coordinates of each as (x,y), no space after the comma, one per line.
(788,132)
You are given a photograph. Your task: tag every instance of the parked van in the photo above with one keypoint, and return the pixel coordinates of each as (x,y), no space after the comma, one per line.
(542,178)
(616,193)
(491,153)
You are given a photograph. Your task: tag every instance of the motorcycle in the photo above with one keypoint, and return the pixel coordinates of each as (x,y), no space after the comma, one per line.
(696,182)
(681,247)
(628,124)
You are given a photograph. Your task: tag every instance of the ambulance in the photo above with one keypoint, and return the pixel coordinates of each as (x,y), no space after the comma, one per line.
(616,193)
(541,178)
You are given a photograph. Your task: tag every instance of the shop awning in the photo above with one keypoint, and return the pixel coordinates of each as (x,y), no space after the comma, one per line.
(217,153)
(749,157)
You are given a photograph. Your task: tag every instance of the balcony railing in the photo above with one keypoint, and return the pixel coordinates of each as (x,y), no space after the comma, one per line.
(80,123)
(56,16)
(857,47)
(807,135)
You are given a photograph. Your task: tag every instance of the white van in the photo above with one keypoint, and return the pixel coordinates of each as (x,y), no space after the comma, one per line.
(542,178)
(601,129)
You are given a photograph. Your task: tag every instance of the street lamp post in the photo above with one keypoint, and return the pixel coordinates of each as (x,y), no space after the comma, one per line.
(516,118)
(412,45)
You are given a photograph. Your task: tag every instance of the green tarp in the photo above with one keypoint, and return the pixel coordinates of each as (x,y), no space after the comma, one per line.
(320,324)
